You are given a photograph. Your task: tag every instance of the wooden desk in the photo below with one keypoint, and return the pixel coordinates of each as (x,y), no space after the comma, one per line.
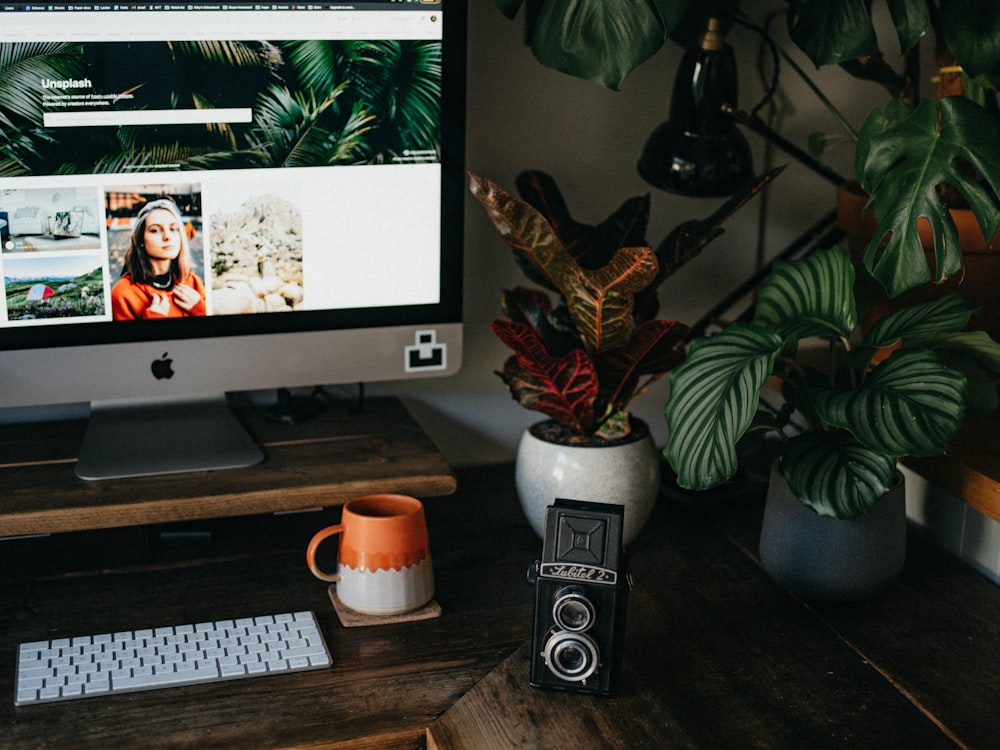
(716,657)
(325,461)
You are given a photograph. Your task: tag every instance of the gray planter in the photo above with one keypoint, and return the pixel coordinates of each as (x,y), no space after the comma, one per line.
(627,474)
(829,559)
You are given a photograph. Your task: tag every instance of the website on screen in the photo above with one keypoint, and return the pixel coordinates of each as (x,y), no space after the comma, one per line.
(164,161)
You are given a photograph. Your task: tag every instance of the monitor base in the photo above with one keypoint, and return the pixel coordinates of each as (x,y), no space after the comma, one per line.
(139,440)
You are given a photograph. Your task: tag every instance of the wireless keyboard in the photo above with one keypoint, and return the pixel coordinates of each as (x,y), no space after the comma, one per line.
(69,668)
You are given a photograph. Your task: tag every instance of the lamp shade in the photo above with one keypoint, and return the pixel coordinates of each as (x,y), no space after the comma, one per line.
(699,151)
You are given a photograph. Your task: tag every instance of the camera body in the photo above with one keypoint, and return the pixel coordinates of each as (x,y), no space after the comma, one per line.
(581,592)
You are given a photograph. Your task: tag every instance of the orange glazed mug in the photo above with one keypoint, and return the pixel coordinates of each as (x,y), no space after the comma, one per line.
(384,561)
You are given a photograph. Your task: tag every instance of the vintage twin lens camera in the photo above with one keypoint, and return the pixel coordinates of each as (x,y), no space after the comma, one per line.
(580,597)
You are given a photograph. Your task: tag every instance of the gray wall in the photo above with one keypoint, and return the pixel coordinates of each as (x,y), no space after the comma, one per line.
(523,116)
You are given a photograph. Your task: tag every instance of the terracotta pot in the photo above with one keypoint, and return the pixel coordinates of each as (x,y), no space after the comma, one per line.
(978,282)
(829,559)
(626,473)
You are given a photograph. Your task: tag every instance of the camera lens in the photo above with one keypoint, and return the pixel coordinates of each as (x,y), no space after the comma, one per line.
(572,610)
(571,656)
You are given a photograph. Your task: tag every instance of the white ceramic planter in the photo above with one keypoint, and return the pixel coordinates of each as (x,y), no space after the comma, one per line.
(830,559)
(627,474)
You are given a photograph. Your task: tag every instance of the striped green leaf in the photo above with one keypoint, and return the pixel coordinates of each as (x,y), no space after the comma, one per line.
(713,399)
(920,323)
(810,297)
(834,474)
(911,404)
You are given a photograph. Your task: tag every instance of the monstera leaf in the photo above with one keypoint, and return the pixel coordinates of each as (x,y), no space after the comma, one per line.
(902,158)
(834,474)
(713,398)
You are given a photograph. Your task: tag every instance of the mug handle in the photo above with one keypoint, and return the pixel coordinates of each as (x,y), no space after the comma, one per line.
(314,545)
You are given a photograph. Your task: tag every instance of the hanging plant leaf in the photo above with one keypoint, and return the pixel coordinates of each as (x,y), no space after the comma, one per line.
(912,20)
(713,399)
(509,7)
(902,158)
(600,41)
(909,405)
(972,32)
(810,297)
(832,32)
(834,474)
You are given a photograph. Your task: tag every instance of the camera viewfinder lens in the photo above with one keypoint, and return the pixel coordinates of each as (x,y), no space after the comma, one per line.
(572,610)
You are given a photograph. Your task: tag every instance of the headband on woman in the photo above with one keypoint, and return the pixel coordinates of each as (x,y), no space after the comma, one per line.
(164,203)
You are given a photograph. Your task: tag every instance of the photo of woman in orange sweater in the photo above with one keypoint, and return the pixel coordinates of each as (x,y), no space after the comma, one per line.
(157,278)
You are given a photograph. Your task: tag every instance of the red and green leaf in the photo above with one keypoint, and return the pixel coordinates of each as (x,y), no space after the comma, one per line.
(591,245)
(601,301)
(565,388)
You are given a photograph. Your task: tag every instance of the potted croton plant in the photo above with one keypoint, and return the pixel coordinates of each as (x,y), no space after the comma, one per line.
(581,357)
(834,523)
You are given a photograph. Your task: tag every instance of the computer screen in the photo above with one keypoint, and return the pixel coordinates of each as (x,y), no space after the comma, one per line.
(198,198)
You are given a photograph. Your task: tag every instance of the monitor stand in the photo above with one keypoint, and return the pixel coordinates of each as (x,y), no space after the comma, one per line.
(147,439)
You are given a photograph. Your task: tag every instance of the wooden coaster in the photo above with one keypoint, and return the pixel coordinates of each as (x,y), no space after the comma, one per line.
(351,619)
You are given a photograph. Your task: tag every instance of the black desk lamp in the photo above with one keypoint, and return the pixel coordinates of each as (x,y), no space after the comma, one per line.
(699,151)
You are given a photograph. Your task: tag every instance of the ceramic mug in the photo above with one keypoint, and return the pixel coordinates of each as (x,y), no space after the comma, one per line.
(383,562)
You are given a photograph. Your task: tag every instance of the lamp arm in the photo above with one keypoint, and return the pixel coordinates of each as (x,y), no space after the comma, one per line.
(757,125)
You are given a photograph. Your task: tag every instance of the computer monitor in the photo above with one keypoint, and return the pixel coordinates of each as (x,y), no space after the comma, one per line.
(200,198)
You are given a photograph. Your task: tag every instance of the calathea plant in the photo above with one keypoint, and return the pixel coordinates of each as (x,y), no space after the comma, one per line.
(902,387)
(584,358)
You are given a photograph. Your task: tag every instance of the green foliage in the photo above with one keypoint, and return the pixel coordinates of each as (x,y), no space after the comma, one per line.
(82,296)
(356,102)
(903,157)
(887,392)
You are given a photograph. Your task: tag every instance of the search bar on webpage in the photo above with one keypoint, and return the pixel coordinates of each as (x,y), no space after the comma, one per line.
(147,117)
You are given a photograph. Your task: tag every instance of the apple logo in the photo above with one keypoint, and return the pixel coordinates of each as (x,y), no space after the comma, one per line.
(162,367)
